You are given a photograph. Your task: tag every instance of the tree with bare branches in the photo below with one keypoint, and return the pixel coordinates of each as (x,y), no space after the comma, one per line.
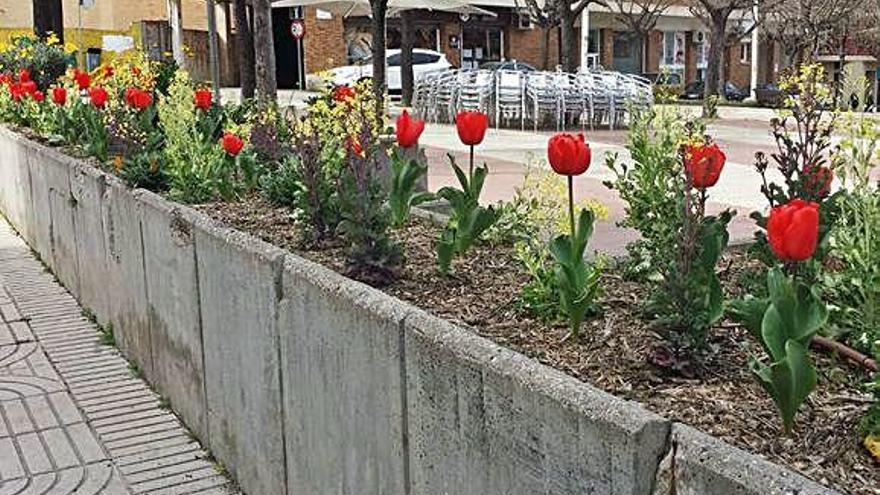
(804,28)
(562,13)
(718,16)
(640,17)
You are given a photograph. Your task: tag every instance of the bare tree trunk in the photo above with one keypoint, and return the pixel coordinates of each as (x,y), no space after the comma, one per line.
(48,18)
(379,8)
(713,64)
(264,53)
(407,78)
(566,38)
(244,45)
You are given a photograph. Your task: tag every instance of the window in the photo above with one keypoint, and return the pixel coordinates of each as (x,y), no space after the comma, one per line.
(394,60)
(673,49)
(745,52)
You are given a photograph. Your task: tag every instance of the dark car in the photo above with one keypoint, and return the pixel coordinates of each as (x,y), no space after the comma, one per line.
(770,95)
(695,90)
(508,65)
(663,78)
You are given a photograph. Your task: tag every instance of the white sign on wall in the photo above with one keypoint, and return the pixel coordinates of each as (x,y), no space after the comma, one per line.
(116,43)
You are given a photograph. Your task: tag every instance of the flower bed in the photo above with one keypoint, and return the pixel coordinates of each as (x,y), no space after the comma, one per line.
(327,187)
(615,350)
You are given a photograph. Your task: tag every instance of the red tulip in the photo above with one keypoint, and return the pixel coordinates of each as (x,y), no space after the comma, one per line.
(135,70)
(24,75)
(704,164)
(793,230)
(354,146)
(408,130)
(16,91)
(59,95)
(29,87)
(231,143)
(38,96)
(98,96)
(108,71)
(471,127)
(204,98)
(344,93)
(569,154)
(83,80)
(817,181)
(138,98)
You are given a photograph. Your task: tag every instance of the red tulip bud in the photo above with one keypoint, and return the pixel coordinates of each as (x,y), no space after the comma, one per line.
(569,154)
(793,230)
(704,164)
(231,143)
(408,130)
(471,127)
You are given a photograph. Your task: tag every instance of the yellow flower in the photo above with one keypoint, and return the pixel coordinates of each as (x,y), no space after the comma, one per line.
(70,47)
(872,443)
(52,39)
(117,162)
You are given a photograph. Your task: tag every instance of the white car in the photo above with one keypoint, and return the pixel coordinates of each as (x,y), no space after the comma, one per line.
(424,62)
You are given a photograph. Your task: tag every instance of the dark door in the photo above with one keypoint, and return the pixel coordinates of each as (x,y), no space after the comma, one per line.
(289,65)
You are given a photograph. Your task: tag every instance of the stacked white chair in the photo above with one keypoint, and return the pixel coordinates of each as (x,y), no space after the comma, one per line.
(510,97)
(548,99)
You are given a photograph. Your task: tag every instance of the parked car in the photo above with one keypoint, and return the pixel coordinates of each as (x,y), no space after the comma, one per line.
(770,95)
(695,90)
(424,62)
(663,78)
(508,65)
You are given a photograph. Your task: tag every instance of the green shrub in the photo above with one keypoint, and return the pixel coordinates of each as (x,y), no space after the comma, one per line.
(46,60)
(365,218)
(198,171)
(680,245)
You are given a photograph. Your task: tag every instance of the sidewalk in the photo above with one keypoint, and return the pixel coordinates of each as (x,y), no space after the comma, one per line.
(73,416)
(508,152)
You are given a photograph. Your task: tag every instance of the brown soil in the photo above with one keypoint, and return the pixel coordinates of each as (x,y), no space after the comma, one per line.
(613,353)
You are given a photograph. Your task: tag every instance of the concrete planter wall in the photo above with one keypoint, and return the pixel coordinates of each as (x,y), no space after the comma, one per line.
(302,381)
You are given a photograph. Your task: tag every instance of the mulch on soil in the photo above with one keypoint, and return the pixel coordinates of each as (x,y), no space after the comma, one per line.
(615,348)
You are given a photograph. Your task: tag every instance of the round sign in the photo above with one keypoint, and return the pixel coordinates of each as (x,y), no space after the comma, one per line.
(297,29)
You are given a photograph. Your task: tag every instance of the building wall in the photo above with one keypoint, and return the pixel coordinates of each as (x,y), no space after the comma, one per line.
(737,71)
(525,45)
(324,42)
(107,15)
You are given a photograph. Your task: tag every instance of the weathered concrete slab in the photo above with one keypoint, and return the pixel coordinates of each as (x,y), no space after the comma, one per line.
(341,362)
(15,188)
(705,465)
(173,293)
(87,186)
(57,168)
(41,230)
(483,419)
(126,278)
(239,289)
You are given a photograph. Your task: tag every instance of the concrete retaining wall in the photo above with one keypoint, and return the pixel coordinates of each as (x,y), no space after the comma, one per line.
(302,381)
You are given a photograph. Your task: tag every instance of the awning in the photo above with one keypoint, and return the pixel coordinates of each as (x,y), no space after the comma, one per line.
(362,7)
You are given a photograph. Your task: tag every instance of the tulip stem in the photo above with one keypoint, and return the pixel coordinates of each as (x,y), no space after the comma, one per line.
(571,204)
(471,168)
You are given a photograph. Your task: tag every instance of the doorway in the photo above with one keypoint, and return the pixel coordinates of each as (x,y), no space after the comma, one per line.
(289,59)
